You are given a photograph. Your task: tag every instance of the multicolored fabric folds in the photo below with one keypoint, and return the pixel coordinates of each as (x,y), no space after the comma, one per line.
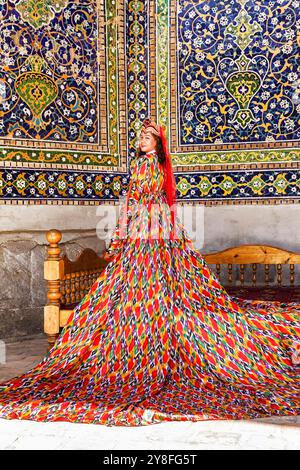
(157,338)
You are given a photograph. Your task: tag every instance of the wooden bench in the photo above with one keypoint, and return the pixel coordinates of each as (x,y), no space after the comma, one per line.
(258,272)
(69,281)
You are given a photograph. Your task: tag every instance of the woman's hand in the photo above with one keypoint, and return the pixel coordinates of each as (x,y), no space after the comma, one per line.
(107,256)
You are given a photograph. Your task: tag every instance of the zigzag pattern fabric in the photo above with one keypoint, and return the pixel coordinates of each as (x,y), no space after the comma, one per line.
(157,337)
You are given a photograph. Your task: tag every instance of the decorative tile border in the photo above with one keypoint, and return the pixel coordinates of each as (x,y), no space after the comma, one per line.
(240,186)
(137,73)
(59,185)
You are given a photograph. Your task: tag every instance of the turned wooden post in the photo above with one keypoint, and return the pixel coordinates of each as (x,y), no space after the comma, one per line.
(53,273)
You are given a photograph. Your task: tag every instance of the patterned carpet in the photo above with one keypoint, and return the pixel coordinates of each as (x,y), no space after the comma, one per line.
(282,294)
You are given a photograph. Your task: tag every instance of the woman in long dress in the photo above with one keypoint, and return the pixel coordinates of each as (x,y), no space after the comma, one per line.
(157,338)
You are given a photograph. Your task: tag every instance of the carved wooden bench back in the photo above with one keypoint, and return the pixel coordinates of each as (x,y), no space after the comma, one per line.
(253,256)
(79,275)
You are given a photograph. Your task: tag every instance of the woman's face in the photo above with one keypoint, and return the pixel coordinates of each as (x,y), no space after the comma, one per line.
(147,142)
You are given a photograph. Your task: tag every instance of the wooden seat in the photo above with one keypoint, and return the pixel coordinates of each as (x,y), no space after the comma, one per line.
(69,281)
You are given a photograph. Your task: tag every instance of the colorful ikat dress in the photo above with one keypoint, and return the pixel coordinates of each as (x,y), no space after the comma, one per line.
(157,338)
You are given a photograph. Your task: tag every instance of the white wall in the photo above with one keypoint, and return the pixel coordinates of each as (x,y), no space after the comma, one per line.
(32,221)
(220,226)
(277,225)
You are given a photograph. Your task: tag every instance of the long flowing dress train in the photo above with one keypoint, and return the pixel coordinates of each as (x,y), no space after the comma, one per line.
(158,338)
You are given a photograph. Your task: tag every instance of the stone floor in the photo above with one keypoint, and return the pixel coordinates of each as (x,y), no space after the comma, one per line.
(267,433)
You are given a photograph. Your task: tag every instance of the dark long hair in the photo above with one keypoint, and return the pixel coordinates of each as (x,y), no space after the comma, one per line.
(159,149)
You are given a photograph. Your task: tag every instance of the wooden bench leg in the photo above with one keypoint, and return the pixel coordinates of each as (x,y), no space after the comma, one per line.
(51,324)
(53,274)
(51,341)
